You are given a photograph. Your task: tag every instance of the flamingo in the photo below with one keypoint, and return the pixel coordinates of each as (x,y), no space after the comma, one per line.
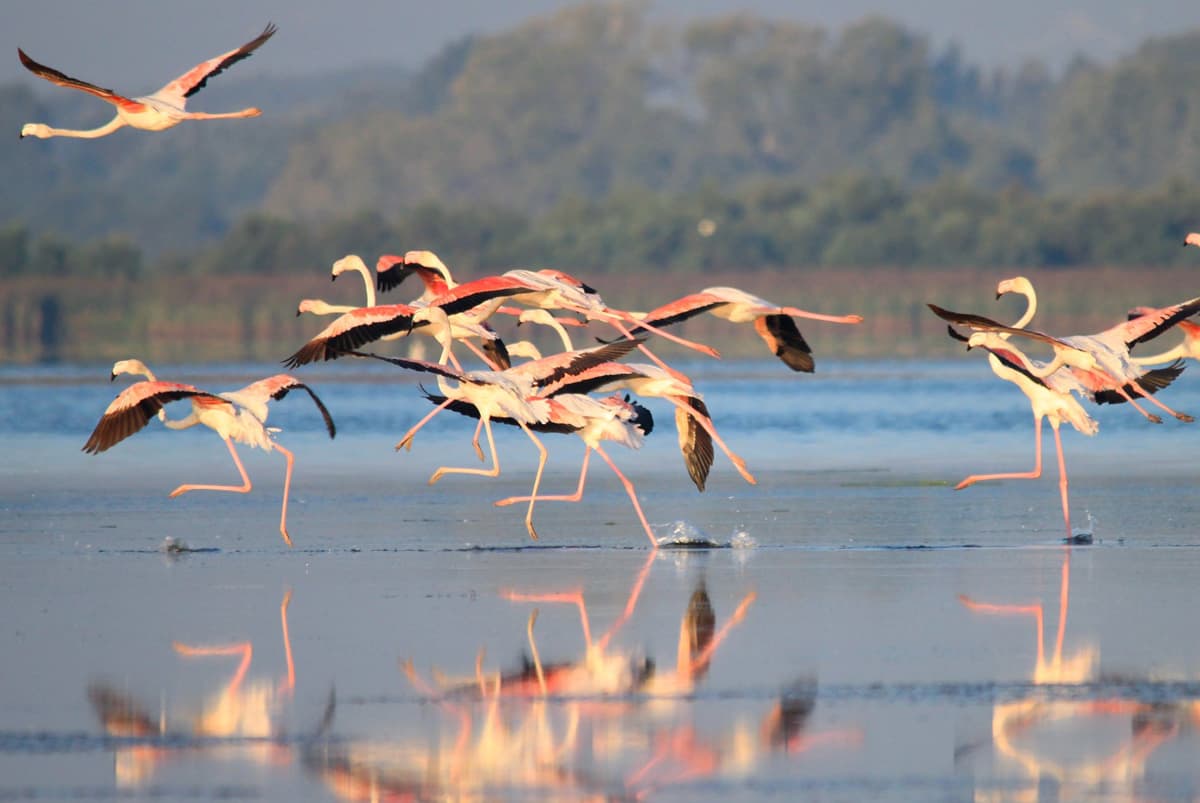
(316,306)
(1056,405)
(1193,238)
(1111,367)
(391,270)
(773,323)
(550,289)
(1190,347)
(238,415)
(362,325)
(157,112)
(510,396)
(694,425)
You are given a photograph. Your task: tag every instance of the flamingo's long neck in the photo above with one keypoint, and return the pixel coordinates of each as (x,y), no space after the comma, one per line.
(1031,307)
(90,133)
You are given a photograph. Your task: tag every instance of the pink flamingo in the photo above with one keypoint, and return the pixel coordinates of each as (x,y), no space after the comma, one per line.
(156,112)
(1048,402)
(238,415)
(391,270)
(1101,362)
(773,323)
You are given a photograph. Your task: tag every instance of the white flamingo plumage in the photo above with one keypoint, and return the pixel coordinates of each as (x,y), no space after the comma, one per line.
(237,416)
(1055,405)
(159,111)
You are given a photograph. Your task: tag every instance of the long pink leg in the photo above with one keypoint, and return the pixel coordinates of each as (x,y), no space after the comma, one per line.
(240,489)
(287,484)
(406,441)
(634,595)
(686,663)
(632,495)
(537,481)
(700,347)
(819,316)
(250,112)
(707,423)
(573,597)
(290,684)
(1151,417)
(1018,475)
(1154,400)
(575,497)
(494,471)
(1062,477)
(244,649)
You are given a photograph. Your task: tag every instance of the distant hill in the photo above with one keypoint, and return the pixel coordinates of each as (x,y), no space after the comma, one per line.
(599,98)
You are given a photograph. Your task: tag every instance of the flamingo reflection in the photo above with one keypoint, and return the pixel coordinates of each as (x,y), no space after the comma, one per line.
(1015,725)
(244,709)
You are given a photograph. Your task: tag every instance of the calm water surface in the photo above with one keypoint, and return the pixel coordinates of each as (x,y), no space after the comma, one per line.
(863,633)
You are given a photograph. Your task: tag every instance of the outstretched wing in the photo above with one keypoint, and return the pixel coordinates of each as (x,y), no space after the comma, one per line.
(781,334)
(55,77)
(193,80)
(132,410)
(354,329)
(981,323)
(254,397)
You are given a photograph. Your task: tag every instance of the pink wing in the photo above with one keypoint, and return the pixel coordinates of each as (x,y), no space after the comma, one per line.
(134,407)
(276,387)
(56,77)
(194,79)
(1153,322)
(354,329)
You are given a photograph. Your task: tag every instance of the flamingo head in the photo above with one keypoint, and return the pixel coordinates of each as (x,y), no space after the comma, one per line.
(39,130)
(1083,360)
(134,367)
(348,262)
(313,305)
(1017,284)
(979,339)
(431,262)
(1193,237)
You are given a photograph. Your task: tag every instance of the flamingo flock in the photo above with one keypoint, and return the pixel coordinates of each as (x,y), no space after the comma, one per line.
(1099,367)
(558,392)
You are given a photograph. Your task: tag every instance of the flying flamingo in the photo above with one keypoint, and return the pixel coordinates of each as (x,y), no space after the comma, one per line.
(157,112)
(1190,347)
(773,323)
(692,420)
(238,415)
(391,270)
(1112,367)
(1010,363)
(316,306)
(363,325)
(550,289)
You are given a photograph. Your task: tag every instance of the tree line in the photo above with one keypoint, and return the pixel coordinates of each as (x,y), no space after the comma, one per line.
(852,221)
(599,110)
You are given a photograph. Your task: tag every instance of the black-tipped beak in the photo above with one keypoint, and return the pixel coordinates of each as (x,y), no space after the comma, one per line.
(112,377)
(333,277)
(297,313)
(22,136)
(1185,243)
(998,295)
(969,347)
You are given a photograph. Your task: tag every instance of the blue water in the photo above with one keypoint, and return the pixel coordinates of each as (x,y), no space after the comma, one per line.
(852,554)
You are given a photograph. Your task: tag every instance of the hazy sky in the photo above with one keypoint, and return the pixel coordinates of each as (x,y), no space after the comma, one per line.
(137,45)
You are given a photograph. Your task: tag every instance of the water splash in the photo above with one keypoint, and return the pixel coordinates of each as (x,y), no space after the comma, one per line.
(1084,534)
(684,534)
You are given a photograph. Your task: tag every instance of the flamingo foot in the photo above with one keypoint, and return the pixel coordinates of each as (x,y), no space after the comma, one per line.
(511,500)
(287,539)
(405,444)
(182,489)
(1185,418)
(1154,419)
(967,483)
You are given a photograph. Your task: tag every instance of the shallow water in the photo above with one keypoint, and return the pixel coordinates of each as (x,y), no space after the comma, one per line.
(895,619)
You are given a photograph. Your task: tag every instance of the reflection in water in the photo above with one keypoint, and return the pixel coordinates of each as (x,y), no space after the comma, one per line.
(1083,746)
(606,724)
(245,710)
